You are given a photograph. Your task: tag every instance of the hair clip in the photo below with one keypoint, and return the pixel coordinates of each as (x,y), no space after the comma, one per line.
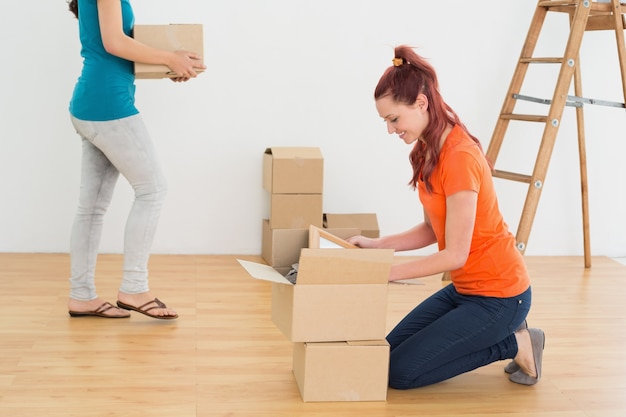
(397,62)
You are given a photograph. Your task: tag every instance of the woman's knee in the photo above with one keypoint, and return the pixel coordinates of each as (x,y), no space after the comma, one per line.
(399,376)
(154,190)
(400,381)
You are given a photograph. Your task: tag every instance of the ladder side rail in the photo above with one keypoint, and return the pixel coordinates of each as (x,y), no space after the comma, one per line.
(618,19)
(516,83)
(582,158)
(566,73)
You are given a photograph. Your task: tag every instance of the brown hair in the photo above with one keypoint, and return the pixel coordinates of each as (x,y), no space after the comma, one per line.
(73,6)
(410,76)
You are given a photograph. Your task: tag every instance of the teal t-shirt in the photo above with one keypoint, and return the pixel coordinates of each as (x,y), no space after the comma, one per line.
(105,89)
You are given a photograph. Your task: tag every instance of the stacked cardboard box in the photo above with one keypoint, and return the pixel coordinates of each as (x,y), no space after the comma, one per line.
(335,315)
(294,177)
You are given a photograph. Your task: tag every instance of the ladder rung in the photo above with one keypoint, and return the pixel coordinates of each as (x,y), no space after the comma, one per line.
(512,176)
(603,22)
(524,117)
(557,3)
(546,60)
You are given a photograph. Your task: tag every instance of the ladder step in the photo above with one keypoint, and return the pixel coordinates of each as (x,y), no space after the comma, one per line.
(550,3)
(524,117)
(512,176)
(546,60)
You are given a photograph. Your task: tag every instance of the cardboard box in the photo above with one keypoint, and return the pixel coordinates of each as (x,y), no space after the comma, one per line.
(340,295)
(281,247)
(342,371)
(172,37)
(366,222)
(295,211)
(293,170)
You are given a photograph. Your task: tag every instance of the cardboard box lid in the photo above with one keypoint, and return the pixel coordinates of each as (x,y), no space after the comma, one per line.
(344,266)
(293,170)
(287,152)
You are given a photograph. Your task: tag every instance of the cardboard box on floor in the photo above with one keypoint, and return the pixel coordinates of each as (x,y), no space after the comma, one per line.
(293,170)
(281,247)
(342,371)
(340,294)
(172,37)
(366,222)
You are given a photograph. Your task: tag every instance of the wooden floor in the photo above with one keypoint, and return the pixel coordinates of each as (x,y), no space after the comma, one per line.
(224,357)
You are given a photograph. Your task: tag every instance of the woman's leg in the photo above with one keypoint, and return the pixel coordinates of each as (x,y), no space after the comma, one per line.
(127,144)
(450,334)
(129,148)
(98,179)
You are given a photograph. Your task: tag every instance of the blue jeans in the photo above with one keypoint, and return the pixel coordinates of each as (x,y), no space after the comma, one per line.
(110,148)
(449,334)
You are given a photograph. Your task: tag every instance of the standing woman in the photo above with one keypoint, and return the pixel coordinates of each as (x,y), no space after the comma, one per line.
(480,317)
(114,141)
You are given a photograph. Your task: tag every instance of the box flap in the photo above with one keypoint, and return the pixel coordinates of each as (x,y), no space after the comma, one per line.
(285,152)
(344,266)
(263,272)
(319,238)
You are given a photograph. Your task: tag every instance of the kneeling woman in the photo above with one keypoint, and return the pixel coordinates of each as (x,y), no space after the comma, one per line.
(481,317)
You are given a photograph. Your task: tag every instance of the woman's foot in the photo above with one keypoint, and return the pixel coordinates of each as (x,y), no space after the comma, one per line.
(530,343)
(512,366)
(97,308)
(147,304)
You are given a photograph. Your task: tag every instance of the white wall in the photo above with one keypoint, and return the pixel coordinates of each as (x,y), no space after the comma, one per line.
(284,72)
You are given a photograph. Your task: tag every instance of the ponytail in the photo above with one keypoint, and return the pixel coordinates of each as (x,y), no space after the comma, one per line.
(73,7)
(409,76)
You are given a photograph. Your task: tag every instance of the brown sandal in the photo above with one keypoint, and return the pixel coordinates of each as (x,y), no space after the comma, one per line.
(98,312)
(143,310)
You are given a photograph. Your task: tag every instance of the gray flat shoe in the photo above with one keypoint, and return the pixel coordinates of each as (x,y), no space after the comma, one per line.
(538,341)
(512,366)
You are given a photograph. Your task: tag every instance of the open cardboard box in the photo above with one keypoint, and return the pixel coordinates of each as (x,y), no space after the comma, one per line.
(340,293)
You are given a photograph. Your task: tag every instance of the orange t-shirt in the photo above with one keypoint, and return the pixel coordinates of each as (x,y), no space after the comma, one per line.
(494,267)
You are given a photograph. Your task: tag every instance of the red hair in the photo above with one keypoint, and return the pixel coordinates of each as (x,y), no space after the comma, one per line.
(410,76)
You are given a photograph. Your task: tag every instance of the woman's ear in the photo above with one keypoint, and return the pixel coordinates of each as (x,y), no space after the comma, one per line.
(422,102)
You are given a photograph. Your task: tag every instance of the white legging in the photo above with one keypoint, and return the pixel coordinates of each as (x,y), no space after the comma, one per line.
(110,148)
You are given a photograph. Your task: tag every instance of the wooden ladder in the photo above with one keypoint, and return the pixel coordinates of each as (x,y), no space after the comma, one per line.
(584,15)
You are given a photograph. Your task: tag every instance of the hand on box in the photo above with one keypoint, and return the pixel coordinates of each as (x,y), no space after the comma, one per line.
(184,64)
(362,241)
